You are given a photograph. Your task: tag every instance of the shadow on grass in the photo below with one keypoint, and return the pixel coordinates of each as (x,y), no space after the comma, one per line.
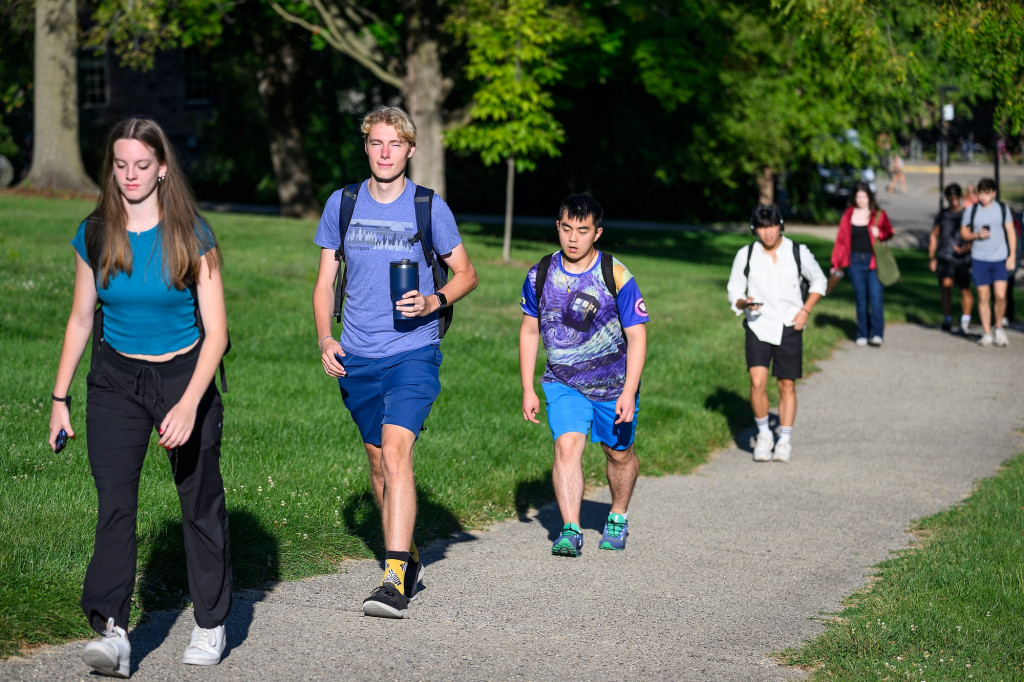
(163,582)
(848,327)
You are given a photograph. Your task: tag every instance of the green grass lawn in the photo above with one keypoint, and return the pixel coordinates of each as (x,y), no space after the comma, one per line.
(294,468)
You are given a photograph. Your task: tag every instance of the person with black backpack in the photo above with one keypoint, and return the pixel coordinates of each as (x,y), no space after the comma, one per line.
(774,283)
(988,227)
(586,308)
(375,236)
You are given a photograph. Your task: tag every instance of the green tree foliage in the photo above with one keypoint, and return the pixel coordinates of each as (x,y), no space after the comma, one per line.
(17,18)
(137,30)
(986,37)
(512,57)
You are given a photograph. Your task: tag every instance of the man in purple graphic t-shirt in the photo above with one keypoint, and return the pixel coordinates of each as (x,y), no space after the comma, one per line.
(596,343)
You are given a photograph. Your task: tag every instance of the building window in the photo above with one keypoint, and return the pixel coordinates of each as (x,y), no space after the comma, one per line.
(197,78)
(92,75)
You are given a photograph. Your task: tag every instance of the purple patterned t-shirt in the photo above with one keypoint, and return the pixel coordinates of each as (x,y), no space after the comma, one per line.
(581,329)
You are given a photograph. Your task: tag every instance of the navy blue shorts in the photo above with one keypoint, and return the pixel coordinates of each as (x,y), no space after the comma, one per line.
(986,272)
(399,389)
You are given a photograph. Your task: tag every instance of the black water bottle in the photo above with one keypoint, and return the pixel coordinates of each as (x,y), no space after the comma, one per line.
(405,277)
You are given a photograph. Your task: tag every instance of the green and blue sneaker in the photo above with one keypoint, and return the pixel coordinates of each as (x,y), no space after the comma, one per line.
(569,542)
(616,528)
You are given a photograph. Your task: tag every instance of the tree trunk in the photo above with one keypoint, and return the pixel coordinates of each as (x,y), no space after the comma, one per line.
(425,89)
(510,185)
(766,186)
(56,154)
(282,59)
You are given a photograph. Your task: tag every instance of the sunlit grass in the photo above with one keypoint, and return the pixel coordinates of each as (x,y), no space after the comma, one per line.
(294,468)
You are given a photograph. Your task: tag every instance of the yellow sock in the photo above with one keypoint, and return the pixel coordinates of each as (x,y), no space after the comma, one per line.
(395,564)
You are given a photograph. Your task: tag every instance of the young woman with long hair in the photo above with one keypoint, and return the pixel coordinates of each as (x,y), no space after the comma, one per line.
(861,226)
(153,263)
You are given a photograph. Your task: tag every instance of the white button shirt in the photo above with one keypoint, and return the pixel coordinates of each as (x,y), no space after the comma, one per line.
(775,284)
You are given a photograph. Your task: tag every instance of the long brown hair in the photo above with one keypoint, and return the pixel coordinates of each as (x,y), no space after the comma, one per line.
(107,242)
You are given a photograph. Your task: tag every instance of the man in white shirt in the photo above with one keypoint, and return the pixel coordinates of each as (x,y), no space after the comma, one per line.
(765,287)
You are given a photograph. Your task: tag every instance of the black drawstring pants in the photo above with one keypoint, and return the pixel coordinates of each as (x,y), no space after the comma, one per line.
(126,400)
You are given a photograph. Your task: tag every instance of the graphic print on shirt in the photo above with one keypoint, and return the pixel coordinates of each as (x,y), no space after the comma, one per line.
(379,235)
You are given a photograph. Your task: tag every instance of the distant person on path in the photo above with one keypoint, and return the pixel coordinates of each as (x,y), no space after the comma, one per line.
(587,308)
(950,259)
(970,195)
(387,368)
(896,174)
(884,143)
(764,286)
(988,226)
(861,226)
(154,264)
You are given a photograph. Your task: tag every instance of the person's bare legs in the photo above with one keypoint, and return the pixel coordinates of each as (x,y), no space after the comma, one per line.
(622,470)
(567,475)
(984,311)
(787,402)
(759,391)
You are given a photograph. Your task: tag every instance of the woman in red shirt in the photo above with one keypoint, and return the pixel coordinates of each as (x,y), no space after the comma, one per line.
(862,224)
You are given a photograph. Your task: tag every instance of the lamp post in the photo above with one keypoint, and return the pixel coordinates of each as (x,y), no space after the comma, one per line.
(944,117)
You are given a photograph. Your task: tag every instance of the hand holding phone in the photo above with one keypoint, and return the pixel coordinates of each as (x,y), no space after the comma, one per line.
(62,440)
(754,304)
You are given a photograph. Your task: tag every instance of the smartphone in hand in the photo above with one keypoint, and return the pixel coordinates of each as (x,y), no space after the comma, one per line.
(62,441)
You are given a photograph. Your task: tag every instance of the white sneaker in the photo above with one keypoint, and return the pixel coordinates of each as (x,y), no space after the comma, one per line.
(782,451)
(1000,338)
(861,341)
(207,646)
(763,447)
(112,655)
(985,340)
(876,341)
(965,326)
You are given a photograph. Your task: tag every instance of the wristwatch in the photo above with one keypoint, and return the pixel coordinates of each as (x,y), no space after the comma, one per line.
(442,299)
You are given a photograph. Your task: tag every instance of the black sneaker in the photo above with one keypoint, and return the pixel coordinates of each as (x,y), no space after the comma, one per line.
(413,575)
(386,602)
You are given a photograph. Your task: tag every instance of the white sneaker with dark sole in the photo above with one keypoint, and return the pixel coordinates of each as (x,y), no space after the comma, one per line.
(1000,338)
(112,655)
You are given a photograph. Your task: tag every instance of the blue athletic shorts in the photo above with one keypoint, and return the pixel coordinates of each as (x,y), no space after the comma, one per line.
(398,390)
(569,411)
(986,272)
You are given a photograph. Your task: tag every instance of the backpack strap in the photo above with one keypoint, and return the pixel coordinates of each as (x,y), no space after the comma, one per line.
(608,272)
(542,277)
(347,207)
(746,270)
(423,203)
(974,211)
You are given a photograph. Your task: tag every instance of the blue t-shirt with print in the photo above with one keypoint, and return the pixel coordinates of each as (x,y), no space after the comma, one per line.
(142,313)
(582,326)
(377,235)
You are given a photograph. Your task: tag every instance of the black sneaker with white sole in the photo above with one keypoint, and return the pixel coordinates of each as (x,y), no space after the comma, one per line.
(386,602)
(413,575)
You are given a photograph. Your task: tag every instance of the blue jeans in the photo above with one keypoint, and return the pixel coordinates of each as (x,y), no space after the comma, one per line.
(867,291)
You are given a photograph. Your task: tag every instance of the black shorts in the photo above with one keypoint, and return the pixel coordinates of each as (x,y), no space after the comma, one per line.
(786,359)
(959,271)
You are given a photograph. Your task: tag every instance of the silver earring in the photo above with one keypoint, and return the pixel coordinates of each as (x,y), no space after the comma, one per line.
(160,179)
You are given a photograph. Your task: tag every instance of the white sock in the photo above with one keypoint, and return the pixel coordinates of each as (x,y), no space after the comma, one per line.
(762,425)
(965,320)
(784,433)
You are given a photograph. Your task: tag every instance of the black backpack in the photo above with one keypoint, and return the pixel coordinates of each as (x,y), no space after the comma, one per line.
(92,223)
(805,284)
(607,273)
(438,268)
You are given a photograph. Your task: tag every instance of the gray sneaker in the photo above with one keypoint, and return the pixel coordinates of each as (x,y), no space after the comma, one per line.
(1000,338)
(985,341)
(112,655)
(782,452)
